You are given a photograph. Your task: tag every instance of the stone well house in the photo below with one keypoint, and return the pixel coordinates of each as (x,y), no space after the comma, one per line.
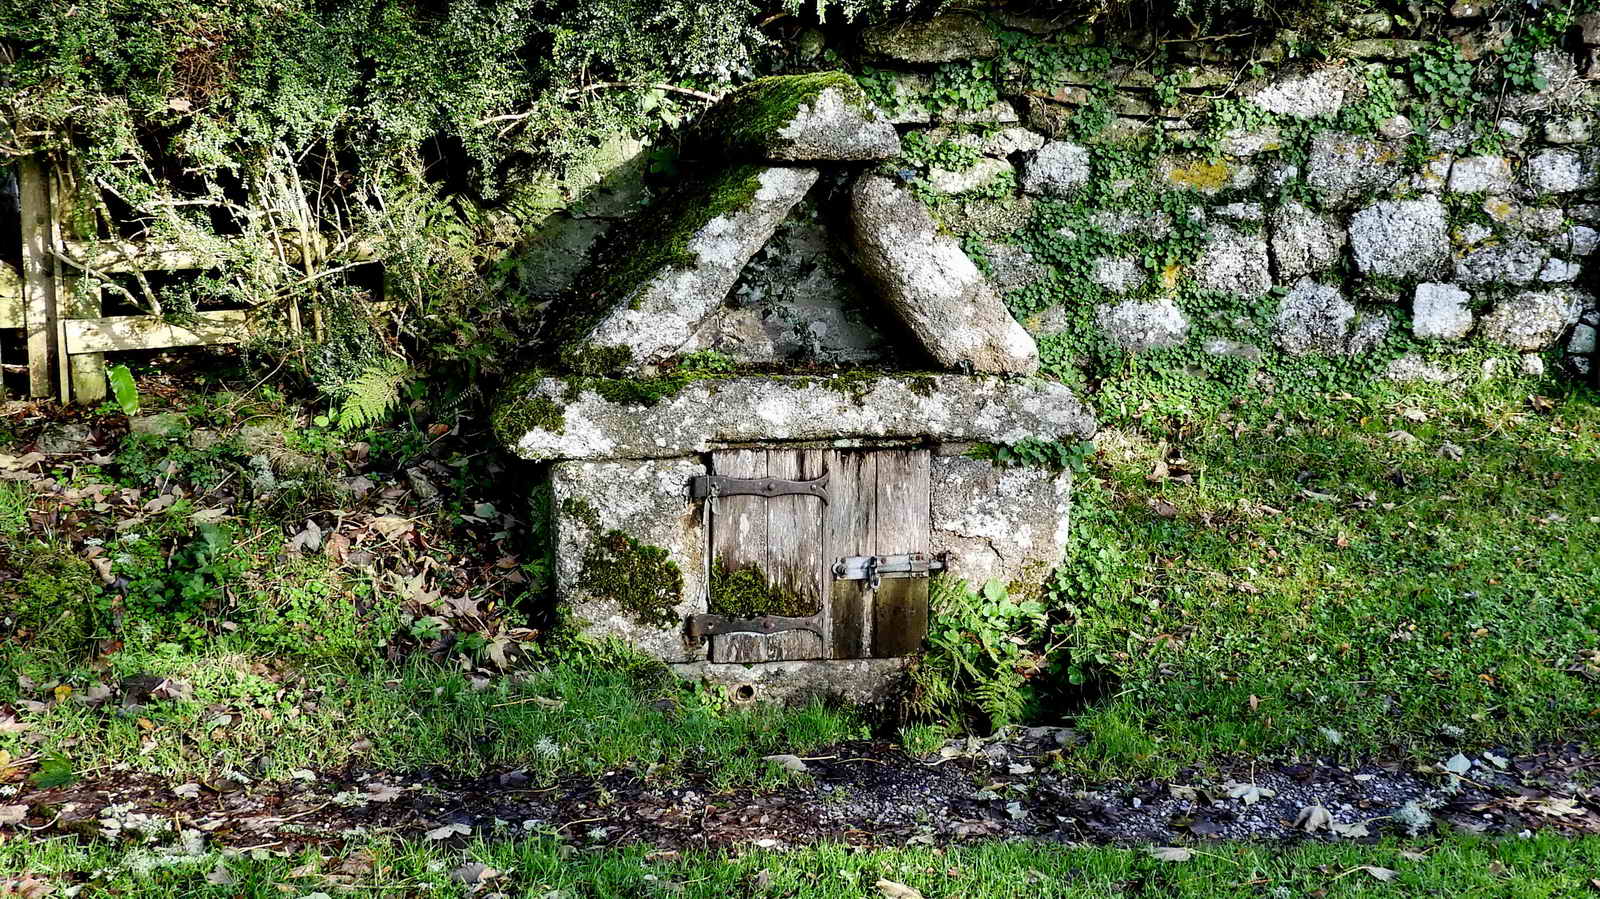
(775,531)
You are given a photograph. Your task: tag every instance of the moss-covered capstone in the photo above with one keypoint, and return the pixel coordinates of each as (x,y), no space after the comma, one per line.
(821,116)
(647,290)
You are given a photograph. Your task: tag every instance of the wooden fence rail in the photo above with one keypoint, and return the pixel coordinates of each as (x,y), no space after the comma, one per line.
(56,298)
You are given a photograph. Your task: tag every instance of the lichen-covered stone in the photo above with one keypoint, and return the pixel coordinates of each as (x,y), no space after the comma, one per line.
(1342,167)
(1118,274)
(1441,312)
(1139,325)
(1517,261)
(1582,341)
(1400,238)
(863,682)
(1314,94)
(1481,174)
(939,293)
(1560,171)
(1303,241)
(629,553)
(1235,262)
(1578,240)
(1559,271)
(1246,211)
(945,38)
(676,267)
(956,181)
(1414,368)
(1574,130)
(822,116)
(1205,175)
(1056,169)
(695,416)
(1000,142)
(1008,523)
(1012,268)
(1534,319)
(1314,318)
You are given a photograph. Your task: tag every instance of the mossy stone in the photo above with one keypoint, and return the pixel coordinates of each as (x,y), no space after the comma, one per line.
(640,578)
(821,116)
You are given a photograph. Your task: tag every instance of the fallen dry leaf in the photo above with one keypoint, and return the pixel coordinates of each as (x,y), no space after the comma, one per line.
(892,890)
(12,814)
(1170,853)
(1313,818)
(1383,874)
(448,831)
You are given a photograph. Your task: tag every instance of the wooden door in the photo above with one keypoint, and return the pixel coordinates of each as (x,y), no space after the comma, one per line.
(774,556)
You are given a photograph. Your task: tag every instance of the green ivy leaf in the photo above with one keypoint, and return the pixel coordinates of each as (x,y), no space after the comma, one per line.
(123,388)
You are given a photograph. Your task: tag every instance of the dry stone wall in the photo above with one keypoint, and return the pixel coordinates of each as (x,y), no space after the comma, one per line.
(1263,214)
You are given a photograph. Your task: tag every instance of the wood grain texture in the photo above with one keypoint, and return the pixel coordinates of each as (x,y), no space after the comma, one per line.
(851,531)
(38,280)
(795,538)
(900,609)
(739,539)
(152,332)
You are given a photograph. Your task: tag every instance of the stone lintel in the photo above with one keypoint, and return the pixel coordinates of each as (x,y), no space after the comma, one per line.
(546,419)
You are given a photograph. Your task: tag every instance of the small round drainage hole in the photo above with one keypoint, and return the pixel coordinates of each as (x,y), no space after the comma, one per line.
(744,693)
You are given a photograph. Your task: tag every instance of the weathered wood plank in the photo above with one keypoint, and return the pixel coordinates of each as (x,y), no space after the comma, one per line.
(152,332)
(38,279)
(84,376)
(739,539)
(900,609)
(795,547)
(852,529)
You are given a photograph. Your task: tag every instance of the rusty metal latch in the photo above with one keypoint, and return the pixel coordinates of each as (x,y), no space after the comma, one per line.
(709,485)
(706,625)
(874,569)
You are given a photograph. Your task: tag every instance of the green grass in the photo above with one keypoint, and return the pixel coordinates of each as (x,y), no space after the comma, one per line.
(1410,591)
(591,711)
(1543,866)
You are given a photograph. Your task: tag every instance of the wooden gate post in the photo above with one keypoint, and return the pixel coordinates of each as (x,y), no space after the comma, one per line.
(83,376)
(38,280)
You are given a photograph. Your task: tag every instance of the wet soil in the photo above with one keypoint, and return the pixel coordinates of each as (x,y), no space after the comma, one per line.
(862,794)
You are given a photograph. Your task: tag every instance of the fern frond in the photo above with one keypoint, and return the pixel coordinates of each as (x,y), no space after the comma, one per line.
(374,393)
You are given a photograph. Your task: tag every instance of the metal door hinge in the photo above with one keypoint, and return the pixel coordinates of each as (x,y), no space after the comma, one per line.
(874,568)
(707,485)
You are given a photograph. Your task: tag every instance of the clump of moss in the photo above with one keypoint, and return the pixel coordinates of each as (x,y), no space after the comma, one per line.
(748,120)
(582,511)
(518,415)
(640,578)
(48,606)
(745,592)
(595,360)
